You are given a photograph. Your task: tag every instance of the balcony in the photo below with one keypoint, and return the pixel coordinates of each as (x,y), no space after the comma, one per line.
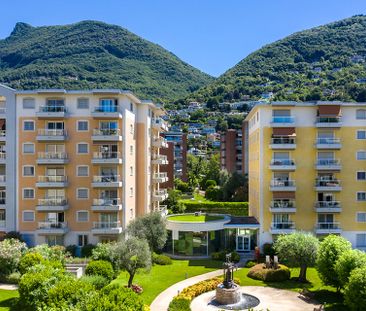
(107,205)
(52,112)
(159,159)
(328,165)
(107,181)
(327,228)
(109,112)
(2,135)
(52,158)
(2,223)
(282,185)
(328,207)
(160,177)
(107,158)
(329,122)
(51,135)
(2,157)
(282,227)
(49,227)
(283,206)
(163,209)
(160,195)
(160,124)
(52,205)
(52,182)
(283,142)
(2,110)
(2,180)
(328,143)
(159,142)
(285,121)
(107,135)
(282,165)
(100,227)
(328,185)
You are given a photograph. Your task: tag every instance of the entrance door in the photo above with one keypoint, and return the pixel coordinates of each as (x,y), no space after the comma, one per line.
(243,243)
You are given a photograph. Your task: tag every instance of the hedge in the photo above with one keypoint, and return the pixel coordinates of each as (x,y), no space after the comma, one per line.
(232,208)
(100,267)
(259,272)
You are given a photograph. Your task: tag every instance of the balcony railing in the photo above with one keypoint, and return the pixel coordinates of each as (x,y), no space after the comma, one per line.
(282,183)
(327,120)
(52,155)
(161,192)
(328,162)
(282,162)
(283,140)
(2,223)
(107,202)
(160,175)
(2,178)
(159,122)
(160,158)
(52,225)
(2,110)
(283,204)
(52,178)
(48,132)
(328,141)
(106,109)
(106,178)
(52,109)
(58,201)
(106,225)
(283,119)
(328,204)
(2,155)
(107,155)
(283,225)
(327,226)
(106,132)
(327,183)
(2,133)
(2,201)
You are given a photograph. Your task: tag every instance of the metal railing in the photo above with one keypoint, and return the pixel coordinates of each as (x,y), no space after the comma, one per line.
(51,132)
(52,225)
(160,175)
(327,183)
(2,178)
(52,178)
(106,132)
(284,119)
(106,225)
(52,155)
(283,140)
(107,155)
(106,109)
(327,225)
(107,202)
(328,141)
(282,183)
(327,204)
(2,155)
(283,204)
(283,225)
(281,162)
(52,109)
(57,201)
(334,119)
(160,157)
(161,192)
(328,162)
(106,178)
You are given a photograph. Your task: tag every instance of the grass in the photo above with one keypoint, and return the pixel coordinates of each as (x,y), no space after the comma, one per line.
(193,218)
(162,277)
(8,299)
(196,197)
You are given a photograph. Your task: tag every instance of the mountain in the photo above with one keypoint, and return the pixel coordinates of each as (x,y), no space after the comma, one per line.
(322,63)
(93,54)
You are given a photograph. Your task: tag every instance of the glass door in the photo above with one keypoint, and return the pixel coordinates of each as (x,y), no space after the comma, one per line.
(243,243)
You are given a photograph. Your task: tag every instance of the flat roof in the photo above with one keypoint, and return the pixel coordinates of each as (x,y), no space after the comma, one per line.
(243,222)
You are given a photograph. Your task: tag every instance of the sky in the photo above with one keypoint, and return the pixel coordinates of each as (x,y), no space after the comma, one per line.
(211,35)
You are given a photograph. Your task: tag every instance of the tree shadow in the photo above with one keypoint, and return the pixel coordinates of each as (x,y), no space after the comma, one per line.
(11,303)
(333,301)
(205,263)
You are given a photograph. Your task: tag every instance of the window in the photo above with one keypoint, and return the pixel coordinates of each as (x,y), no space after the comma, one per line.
(361,134)
(361,155)
(131,128)
(28,216)
(28,148)
(82,216)
(131,192)
(361,114)
(82,193)
(131,150)
(361,175)
(361,196)
(131,170)
(83,126)
(82,148)
(28,193)
(83,240)
(28,125)
(361,240)
(29,103)
(83,171)
(131,107)
(361,217)
(83,103)
(28,170)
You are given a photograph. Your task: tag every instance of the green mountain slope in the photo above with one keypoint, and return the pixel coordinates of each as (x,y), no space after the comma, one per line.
(323,63)
(93,54)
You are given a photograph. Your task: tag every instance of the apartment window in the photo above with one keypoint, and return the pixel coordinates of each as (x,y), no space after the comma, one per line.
(28,216)
(361,196)
(83,171)
(361,217)
(131,107)
(361,114)
(131,128)
(131,191)
(28,148)
(82,193)
(83,126)
(361,175)
(131,170)
(28,193)
(29,103)
(83,103)
(361,155)
(83,239)
(28,170)
(361,134)
(131,150)
(82,216)
(28,125)
(83,148)
(361,240)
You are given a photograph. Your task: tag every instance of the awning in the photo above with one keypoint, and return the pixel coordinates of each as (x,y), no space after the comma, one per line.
(329,110)
(284,131)
(242,222)
(284,195)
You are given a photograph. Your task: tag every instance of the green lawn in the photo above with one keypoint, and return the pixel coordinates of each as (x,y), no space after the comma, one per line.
(161,277)
(197,198)
(193,218)
(8,299)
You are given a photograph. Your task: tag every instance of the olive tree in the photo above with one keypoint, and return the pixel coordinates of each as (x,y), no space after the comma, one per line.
(331,248)
(299,249)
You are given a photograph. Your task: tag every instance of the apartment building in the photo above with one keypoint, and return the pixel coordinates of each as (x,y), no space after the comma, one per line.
(307,169)
(86,163)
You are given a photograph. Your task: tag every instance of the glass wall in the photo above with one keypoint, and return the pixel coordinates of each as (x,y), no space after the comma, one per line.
(191,244)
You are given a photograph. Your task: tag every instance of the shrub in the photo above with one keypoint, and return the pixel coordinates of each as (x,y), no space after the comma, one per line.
(86,250)
(347,262)
(233,208)
(100,267)
(250,264)
(137,289)
(51,253)
(235,257)
(97,281)
(120,298)
(268,249)
(102,251)
(11,251)
(71,249)
(13,278)
(210,183)
(29,260)
(180,304)
(14,235)
(259,272)
(213,193)
(354,292)
(161,259)
(181,186)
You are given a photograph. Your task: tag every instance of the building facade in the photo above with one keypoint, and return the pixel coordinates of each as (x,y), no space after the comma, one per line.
(307,169)
(85,164)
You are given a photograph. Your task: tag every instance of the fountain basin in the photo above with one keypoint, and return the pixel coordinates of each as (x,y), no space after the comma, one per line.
(226,296)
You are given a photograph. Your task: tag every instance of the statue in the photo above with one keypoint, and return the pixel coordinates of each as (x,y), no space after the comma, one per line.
(228,267)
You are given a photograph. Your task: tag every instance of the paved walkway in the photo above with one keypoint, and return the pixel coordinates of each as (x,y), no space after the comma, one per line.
(270,299)
(9,286)
(161,302)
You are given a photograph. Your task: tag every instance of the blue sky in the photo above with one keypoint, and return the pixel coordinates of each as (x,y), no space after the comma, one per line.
(211,35)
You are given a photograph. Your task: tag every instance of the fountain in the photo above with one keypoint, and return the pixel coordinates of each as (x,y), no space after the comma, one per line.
(228,294)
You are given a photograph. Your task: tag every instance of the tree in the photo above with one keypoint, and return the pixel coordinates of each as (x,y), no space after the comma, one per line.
(212,104)
(355,290)
(11,250)
(150,227)
(347,262)
(299,248)
(173,201)
(130,255)
(232,184)
(197,170)
(331,248)
(213,168)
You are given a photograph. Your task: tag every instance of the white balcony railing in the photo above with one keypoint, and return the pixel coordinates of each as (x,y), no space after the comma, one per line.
(160,157)
(2,155)
(2,178)
(48,132)
(106,225)
(57,201)
(106,132)
(282,162)
(106,178)
(161,192)
(107,155)
(327,226)
(52,225)
(328,204)
(52,155)
(52,178)
(283,225)
(327,183)
(160,123)
(283,140)
(107,202)
(48,108)
(284,119)
(282,183)
(328,120)
(160,175)
(328,141)
(328,162)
